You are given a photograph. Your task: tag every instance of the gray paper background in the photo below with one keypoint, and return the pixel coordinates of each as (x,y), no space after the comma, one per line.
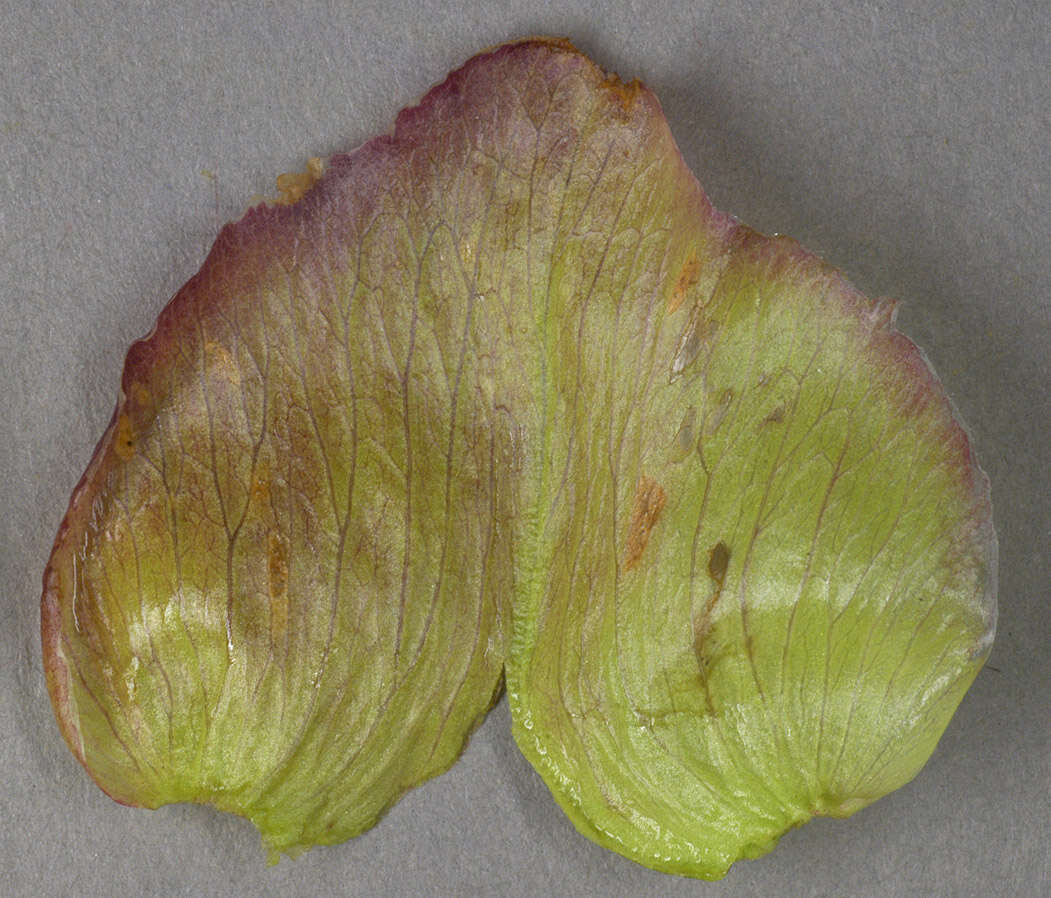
(906,143)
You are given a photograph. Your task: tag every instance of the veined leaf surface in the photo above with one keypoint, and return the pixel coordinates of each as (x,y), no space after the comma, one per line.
(503,387)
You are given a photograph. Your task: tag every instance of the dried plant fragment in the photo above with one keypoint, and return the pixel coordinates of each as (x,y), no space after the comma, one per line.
(502,394)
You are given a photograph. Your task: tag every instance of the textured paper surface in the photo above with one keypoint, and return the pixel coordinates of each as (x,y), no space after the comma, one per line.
(906,147)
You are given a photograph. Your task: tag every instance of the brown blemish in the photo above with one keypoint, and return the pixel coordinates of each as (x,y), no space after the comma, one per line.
(124,438)
(684,436)
(625,93)
(649,503)
(776,416)
(718,562)
(722,406)
(688,276)
(293,185)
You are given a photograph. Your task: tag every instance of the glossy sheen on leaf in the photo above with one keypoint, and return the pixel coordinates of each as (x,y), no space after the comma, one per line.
(503,388)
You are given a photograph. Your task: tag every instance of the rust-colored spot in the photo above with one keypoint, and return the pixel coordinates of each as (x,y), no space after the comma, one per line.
(626,93)
(293,185)
(124,438)
(649,503)
(261,486)
(688,276)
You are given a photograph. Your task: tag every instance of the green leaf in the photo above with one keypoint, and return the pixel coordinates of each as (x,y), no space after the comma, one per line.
(503,389)
(764,586)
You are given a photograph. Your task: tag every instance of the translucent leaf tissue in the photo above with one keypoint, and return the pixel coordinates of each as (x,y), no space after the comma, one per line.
(500,397)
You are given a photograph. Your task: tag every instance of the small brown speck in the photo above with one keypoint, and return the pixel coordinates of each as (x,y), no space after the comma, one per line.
(718,561)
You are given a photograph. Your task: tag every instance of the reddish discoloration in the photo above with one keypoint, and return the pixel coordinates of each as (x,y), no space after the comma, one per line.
(650,499)
(56,671)
(688,276)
